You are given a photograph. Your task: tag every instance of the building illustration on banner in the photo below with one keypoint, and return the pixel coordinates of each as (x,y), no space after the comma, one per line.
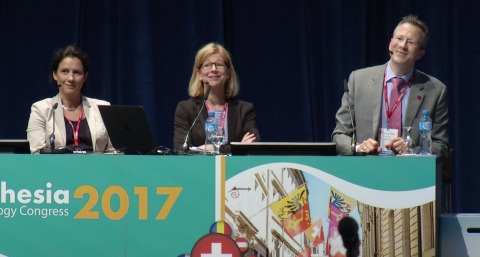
(284,211)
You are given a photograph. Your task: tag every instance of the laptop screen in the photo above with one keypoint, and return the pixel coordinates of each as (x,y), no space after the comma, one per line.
(128,129)
(14,146)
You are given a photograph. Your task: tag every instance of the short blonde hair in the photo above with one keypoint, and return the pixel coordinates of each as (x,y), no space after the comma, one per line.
(195,87)
(415,21)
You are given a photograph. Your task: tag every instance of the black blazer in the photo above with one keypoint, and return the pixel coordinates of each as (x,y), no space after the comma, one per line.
(241,119)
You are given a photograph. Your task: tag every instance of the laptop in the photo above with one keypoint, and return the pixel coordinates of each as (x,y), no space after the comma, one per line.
(284,148)
(14,146)
(128,129)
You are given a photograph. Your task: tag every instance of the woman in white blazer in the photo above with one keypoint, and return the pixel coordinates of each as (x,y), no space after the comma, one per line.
(78,123)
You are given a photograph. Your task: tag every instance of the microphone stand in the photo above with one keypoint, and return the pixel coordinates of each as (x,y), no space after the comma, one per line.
(52,136)
(185,143)
(51,149)
(353,143)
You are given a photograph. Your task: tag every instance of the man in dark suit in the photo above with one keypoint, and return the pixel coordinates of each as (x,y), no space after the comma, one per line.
(369,104)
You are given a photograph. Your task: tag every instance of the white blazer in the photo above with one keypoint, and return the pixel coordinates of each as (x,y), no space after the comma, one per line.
(40,124)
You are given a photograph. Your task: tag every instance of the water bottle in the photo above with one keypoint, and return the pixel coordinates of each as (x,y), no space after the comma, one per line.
(425,127)
(211,129)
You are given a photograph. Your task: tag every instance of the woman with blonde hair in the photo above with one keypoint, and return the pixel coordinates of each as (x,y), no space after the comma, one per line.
(213,68)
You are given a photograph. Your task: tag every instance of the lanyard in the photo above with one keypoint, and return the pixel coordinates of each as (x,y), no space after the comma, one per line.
(225,106)
(404,90)
(77,129)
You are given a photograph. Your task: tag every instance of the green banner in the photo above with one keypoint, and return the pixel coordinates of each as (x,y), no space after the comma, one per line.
(117,205)
(389,173)
(100,205)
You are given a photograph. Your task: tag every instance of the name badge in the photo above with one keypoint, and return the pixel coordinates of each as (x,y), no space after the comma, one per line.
(386,135)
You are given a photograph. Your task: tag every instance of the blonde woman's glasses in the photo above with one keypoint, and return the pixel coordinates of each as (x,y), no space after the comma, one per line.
(218,66)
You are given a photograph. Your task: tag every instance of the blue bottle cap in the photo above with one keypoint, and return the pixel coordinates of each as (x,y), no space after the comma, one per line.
(425,112)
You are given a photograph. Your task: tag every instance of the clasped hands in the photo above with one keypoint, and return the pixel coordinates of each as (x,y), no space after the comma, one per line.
(370,146)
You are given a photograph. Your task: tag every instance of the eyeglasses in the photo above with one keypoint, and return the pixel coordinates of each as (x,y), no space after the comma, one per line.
(218,66)
(401,40)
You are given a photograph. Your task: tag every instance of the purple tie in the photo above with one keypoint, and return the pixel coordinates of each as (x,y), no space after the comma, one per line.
(396,118)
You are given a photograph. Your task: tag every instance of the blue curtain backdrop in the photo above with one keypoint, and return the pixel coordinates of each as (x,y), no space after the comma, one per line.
(291,57)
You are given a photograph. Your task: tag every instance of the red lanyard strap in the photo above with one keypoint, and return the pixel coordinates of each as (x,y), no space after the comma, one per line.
(404,90)
(77,129)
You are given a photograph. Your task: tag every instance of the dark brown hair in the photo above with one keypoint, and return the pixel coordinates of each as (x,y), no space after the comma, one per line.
(70,51)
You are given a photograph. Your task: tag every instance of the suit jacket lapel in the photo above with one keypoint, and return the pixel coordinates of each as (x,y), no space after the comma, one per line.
(90,116)
(415,100)
(232,118)
(377,93)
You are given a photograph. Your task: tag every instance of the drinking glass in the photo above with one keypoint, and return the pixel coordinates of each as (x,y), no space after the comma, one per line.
(408,141)
(217,141)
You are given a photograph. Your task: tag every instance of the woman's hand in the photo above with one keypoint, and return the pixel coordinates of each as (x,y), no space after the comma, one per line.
(248,138)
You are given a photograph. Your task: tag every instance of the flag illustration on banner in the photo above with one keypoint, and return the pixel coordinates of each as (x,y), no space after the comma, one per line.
(315,232)
(221,227)
(305,253)
(293,211)
(216,244)
(242,244)
(335,246)
(340,206)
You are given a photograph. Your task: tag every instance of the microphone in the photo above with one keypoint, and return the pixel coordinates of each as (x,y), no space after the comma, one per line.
(185,143)
(348,229)
(52,136)
(354,128)
(207,93)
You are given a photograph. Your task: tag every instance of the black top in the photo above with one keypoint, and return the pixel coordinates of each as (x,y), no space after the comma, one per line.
(84,135)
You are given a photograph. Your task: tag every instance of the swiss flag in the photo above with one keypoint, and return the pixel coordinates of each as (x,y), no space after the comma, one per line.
(315,232)
(216,245)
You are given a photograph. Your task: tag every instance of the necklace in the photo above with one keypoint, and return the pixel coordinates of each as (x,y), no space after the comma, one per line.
(71,109)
